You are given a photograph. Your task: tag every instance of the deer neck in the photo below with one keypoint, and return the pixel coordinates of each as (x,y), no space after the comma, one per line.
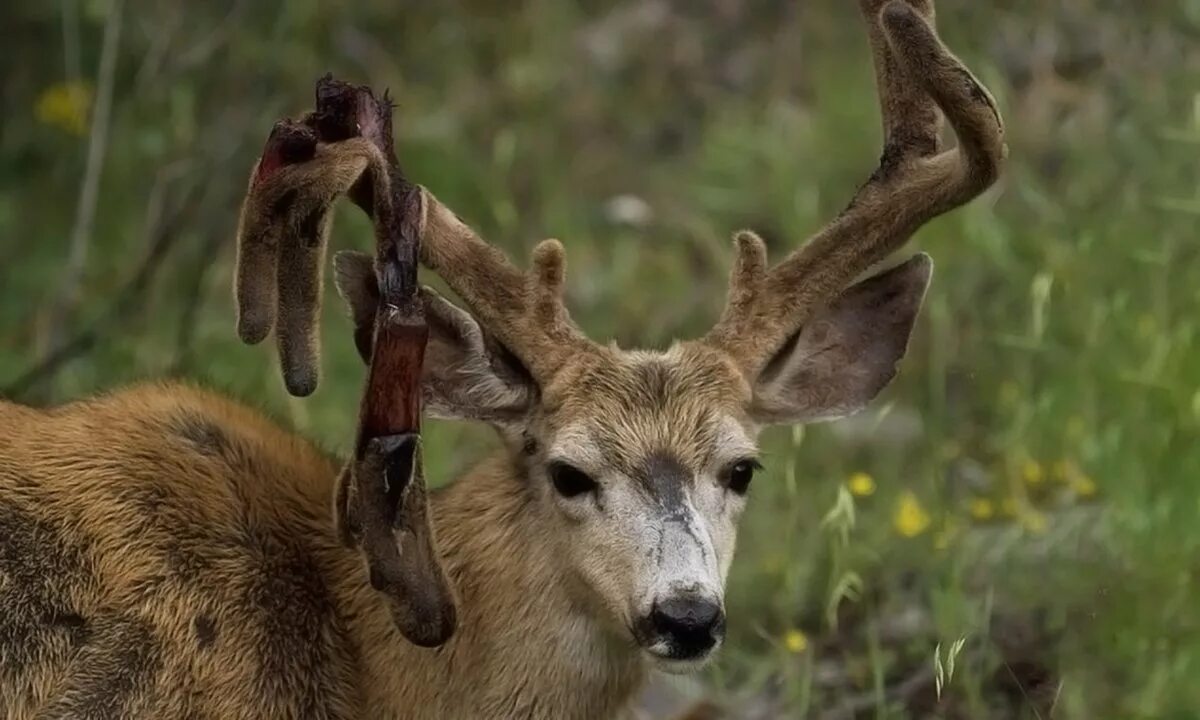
(524,647)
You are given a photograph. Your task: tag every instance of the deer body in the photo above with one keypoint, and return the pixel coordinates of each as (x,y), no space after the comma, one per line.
(169,553)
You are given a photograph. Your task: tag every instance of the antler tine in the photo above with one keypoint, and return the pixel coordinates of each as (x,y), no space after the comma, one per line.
(345,147)
(524,310)
(288,205)
(916,76)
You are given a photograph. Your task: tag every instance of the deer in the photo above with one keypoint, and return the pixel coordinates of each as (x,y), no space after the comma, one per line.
(169,552)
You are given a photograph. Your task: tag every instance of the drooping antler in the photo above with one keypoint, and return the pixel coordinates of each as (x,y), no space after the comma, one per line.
(283,231)
(282,234)
(915,181)
(345,147)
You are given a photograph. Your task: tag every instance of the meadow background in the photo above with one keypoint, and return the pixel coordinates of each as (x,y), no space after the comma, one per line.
(1013,529)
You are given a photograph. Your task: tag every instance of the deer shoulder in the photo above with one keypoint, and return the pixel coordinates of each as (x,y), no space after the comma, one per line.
(161,543)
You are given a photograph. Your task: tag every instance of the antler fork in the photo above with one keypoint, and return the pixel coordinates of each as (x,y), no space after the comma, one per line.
(915,181)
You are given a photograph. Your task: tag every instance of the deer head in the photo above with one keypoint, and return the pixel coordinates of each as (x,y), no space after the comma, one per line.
(636,464)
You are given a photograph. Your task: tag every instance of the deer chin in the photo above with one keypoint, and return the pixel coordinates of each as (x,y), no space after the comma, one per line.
(666,658)
(669,656)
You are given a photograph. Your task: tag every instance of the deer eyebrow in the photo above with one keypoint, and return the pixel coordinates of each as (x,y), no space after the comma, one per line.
(733,442)
(577,446)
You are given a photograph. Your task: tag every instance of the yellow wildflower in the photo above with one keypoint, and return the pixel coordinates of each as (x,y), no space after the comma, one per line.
(1032,471)
(1082,485)
(861,484)
(982,509)
(1034,522)
(795,641)
(65,106)
(945,536)
(910,518)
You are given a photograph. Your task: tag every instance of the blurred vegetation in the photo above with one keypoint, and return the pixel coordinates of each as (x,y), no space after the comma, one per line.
(1022,506)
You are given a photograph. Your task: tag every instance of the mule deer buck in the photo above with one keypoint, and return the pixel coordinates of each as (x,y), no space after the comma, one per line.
(165,552)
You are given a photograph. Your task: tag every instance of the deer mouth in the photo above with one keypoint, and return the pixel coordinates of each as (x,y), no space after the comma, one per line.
(669,657)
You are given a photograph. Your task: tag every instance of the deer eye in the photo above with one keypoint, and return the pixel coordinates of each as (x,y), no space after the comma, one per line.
(741,473)
(570,481)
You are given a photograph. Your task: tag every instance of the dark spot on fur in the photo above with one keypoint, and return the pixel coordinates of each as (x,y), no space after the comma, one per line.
(110,672)
(159,522)
(68,620)
(204,435)
(206,631)
(38,568)
(74,625)
(889,160)
(530,445)
(283,205)
(147,498)
(298,635)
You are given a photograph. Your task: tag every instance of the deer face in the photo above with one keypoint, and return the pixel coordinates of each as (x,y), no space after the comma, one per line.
(638,463)
(642,470)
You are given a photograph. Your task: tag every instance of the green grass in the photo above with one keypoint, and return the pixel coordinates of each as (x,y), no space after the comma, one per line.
(1045,421)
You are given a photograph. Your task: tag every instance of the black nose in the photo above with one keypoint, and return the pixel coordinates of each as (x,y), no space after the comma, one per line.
(692,625)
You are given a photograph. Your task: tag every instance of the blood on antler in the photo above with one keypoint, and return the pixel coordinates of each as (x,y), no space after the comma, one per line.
(344,147)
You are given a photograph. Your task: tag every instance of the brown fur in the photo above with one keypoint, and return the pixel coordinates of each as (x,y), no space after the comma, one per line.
(186,566)
(165,552)
(174,539)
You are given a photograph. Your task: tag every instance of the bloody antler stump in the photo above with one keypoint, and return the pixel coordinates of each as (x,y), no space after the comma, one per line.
(345,147)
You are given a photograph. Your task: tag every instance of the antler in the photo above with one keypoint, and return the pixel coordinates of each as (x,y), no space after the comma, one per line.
(523,310)
(345,147)
(916,76)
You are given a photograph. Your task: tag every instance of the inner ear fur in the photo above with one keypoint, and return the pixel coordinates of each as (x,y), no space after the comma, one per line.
(468,375)
(848,352)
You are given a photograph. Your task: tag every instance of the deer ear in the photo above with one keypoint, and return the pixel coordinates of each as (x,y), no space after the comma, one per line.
(847,353)
(467,374)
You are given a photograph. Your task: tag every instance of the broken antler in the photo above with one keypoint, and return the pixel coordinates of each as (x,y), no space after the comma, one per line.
(345,147)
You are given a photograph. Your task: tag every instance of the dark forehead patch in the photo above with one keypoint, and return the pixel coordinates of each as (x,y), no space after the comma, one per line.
(664,478)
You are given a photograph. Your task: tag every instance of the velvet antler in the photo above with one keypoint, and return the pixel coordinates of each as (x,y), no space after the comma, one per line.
(915,181)
(345,147)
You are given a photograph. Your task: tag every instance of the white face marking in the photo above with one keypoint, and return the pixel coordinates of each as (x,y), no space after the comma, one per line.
(657,535)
